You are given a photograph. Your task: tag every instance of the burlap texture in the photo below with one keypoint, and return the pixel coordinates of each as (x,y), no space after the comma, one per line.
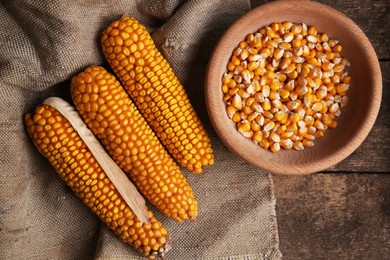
(43,44)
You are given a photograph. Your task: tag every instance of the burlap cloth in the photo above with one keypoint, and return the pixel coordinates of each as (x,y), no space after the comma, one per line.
(43,44)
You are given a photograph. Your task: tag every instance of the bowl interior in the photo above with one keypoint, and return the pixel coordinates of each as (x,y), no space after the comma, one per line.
(357,117)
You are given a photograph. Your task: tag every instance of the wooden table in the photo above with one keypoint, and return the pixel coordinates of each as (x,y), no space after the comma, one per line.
(344,212)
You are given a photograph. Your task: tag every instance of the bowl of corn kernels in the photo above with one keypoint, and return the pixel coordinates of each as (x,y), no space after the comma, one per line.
(293,87)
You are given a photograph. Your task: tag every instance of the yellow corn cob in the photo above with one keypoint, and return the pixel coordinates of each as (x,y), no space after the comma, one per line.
(157,92)
(59,142)
(116,121)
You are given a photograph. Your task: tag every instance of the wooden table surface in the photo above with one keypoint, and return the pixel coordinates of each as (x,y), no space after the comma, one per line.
(344,212)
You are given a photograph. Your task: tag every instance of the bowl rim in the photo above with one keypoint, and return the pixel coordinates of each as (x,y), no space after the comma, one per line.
(211,86)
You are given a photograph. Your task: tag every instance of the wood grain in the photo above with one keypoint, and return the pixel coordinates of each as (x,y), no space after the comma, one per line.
(344,214)
(334,216)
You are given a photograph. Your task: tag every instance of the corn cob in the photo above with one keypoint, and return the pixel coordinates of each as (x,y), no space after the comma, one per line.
(61,144)
(157,92)
(115,120)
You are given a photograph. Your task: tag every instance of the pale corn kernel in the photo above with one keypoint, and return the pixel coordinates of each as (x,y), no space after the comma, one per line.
(321,92)
(285,63)
(237,102)
(309,136)
(296,29)
(244,54)
(269,126)
(274,137)
(333,108)
(290,85)
(317,106)
(311,129)
(275,147)
(277,104)
(237,79)
(293,104)
(237,51)
(260,120)
(266,91)
(287,144)
(302,131)
(257,107)
(298,146)
(307,143)
(344,101)
(302,90)
(255,58)
(248,134)
(286,134)
(319,125)
(295,138)
(308,100)
(312,39)
(259,97)
(294,96)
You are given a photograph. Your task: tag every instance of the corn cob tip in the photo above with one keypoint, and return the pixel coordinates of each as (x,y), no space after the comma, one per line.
(160,254)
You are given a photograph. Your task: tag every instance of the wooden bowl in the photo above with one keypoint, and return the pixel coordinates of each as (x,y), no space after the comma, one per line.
(357,117)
